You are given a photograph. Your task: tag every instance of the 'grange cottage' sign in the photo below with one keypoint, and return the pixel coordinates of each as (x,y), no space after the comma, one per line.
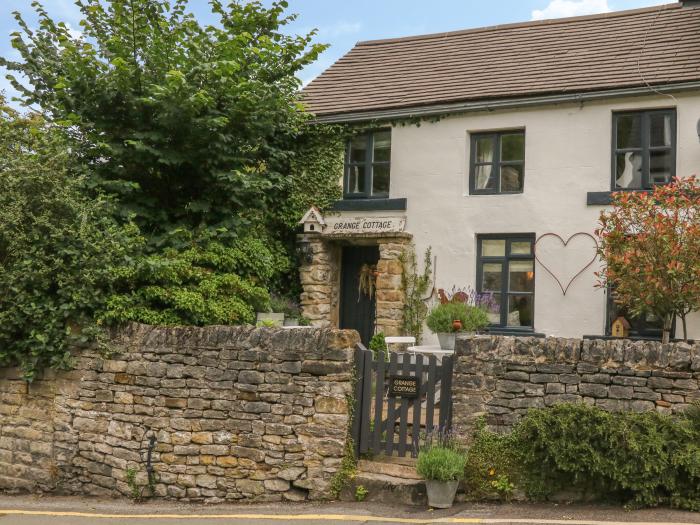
(338,225)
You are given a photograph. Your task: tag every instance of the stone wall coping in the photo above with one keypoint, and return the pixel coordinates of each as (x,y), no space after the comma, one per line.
(609,353)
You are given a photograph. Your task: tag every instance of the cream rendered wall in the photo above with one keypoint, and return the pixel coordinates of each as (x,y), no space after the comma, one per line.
(567,154)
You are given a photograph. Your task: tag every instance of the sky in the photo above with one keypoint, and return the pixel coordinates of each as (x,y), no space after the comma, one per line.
(342,23)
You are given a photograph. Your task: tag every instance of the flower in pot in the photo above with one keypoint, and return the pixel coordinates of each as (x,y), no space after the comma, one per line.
(448,319)
(442,467)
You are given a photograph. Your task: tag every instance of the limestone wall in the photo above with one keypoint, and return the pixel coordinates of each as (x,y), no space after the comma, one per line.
(237,413)
(501,377)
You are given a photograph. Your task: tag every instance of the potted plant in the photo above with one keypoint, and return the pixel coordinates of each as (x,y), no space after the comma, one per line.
(442,467)
(448,319)
(275,315)
(292,313)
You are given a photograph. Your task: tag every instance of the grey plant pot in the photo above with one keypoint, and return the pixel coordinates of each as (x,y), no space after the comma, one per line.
(291,321)
(441,494)
(447,340)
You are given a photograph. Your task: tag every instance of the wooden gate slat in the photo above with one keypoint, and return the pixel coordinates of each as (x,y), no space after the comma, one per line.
(391,407)
(430,401)
(378,403)
(403,424)
(417,407)
(366,401)
(446,393)
(357,409)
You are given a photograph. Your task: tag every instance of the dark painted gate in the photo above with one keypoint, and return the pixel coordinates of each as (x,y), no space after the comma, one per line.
(390,416)
(357,309)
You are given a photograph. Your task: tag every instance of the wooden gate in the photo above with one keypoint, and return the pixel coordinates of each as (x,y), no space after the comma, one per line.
(399,401)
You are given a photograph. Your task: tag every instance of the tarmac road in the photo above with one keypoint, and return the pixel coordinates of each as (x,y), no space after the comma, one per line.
(31,510)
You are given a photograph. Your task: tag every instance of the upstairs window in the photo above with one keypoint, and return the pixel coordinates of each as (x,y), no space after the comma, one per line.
(497,162)
(644,149)
(367,166)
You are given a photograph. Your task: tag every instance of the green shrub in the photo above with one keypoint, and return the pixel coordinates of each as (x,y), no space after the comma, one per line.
(441,463)
(441,316)
(490,458)
(642,459)
(61,253)
(205,283)
(378,345)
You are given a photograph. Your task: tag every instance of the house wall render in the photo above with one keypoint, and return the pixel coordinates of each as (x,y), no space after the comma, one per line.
(237,412)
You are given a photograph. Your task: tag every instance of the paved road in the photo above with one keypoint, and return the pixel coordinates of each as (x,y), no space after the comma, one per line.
(80,511)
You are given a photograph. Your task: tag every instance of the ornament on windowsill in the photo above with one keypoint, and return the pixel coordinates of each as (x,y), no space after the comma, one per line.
(620,327)
(367,281)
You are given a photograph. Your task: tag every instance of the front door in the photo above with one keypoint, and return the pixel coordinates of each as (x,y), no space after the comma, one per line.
(357,306)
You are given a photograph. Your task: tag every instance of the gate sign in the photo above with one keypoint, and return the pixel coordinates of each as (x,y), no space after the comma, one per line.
(403,386)
(336,225)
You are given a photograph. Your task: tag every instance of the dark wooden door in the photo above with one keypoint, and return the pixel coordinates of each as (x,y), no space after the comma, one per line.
(357,309)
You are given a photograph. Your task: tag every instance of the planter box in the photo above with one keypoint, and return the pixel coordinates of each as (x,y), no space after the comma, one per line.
(278,319)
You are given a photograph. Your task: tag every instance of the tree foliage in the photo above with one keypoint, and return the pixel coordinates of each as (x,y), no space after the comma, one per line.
(61,253)
(650,244)
(196,133)
(195,126)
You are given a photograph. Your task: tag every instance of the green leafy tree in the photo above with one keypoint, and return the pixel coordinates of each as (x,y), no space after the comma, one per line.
(61,253)
(650,244)
(197,132)
(194,126)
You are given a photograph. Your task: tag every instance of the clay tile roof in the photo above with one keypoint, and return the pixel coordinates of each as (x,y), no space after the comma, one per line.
(569,55)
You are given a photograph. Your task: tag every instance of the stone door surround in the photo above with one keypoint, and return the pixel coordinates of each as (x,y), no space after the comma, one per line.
(320,277)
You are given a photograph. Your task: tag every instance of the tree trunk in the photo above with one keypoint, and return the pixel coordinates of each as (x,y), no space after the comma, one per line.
(685,328)
(668,322)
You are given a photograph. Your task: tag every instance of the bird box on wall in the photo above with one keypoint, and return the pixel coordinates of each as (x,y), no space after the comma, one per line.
(620,327)
(313,221)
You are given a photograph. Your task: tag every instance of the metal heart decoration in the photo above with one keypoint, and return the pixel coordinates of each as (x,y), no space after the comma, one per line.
(565,243)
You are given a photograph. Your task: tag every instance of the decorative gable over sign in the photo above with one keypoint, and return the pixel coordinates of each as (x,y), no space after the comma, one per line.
(313,221)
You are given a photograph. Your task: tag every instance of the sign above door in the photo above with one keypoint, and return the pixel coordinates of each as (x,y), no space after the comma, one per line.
(314,222)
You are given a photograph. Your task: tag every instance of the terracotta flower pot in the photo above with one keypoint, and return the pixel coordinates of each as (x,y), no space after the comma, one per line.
(457,325)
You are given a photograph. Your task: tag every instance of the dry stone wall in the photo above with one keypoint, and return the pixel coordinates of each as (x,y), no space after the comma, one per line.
(238,413)
(500,378)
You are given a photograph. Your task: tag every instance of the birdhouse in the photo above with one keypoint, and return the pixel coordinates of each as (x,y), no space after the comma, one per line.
(620,327)
(313,221)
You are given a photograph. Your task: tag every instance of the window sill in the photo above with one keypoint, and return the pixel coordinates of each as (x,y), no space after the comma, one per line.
(635,338)
(510,331)
(604,198)
(369,205)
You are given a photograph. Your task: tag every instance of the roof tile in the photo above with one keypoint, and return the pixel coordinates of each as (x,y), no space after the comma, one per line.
(656,45)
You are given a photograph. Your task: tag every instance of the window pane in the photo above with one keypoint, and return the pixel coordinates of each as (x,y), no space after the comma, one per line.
(483,178)
(629,131)
(520,310)
(513,147)
(380,180)
(491,280)
(629,170)
(358,149)
(660,129)
(521,248)
(660,167)
(494,312)
(356,179)
(484,149)
(382,146)
(512,178)
(493,248)
(521,276)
